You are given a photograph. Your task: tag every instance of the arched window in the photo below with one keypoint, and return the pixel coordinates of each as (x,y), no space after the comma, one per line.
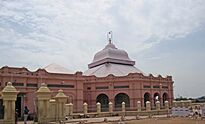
(104,101)
(165,98)
(156,98)
(122,97)
(146,98)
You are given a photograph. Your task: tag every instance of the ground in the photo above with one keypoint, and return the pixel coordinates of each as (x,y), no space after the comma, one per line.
(161,120)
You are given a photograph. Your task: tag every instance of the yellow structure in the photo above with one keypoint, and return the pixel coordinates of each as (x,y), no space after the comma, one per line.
(43,96)
(61,100)
(9,95)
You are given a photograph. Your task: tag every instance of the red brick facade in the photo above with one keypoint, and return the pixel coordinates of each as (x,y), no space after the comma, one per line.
(131,88)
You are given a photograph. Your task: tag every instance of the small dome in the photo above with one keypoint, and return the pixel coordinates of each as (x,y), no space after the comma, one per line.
(55,68)
(111,54)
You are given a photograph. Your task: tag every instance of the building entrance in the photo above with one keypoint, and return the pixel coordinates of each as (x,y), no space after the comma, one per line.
(103,100)
(18,106)
(1,109)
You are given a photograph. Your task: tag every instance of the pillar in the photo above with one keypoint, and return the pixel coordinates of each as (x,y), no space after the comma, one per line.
(9,95)
(85,108)
(61,100)
(139,106)
(174,103)
(52,110)
(158,105)
(123,106)
(43,95)
(166,104)
(98,108)
(148,106)
(70,106)
(110,107)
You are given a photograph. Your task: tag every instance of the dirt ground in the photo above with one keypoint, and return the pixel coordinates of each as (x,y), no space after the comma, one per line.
(163,121)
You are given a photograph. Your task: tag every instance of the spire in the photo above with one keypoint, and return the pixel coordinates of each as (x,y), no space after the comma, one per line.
(109,37)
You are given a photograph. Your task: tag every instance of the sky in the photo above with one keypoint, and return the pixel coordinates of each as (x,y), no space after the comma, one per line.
(163,37)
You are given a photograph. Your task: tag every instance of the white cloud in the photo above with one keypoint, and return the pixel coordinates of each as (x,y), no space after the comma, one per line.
(70,32)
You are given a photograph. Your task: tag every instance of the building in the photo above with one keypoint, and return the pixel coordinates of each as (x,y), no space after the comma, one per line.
(111,77)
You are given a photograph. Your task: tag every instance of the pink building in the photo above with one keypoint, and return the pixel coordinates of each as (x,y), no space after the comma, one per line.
(111,77)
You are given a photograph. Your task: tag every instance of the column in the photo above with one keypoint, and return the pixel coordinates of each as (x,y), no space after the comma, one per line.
(43,96)
(139,106)
(70,106)
(158,105)
(9,95)
(61,100)
(98,108)
(52,110)
(148,106)
(166,104)
(85,108)
(123,107)
(110,107)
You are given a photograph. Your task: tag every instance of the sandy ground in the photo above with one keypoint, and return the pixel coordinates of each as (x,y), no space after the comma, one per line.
(164,121)
(161,120)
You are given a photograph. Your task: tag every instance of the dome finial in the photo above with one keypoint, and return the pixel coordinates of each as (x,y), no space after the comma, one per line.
(109,37)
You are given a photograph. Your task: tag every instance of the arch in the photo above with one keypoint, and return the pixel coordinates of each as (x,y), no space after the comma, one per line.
(122,97)
(156,98)
(147,97)
(1,109)
(164,98)
(103,99)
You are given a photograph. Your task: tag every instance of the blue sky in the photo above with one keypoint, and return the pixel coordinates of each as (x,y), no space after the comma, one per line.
(163,37)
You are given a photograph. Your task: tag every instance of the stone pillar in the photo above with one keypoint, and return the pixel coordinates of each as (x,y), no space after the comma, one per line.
(157,105)
(174,103)
(139,106)
(123,106)
(85,108)
(43,95)
(70,105)
(166,104)
(67,109)
(61,99)
(52,110)
(110,107)
(148,106)
(98,108)
(9,95)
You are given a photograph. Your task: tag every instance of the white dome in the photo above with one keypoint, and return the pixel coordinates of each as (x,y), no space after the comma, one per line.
(55,68)
(111,54)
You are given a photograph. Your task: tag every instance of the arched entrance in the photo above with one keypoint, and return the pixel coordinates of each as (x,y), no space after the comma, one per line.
(122,97)
(104,101)
(165,98)
(1,109)
(156,98)
(146,98)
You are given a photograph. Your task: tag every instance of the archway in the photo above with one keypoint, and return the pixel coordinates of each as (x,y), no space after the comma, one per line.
(1,109)
(156,98)
(146,98)
(165,98)
(104,101)
(122,97)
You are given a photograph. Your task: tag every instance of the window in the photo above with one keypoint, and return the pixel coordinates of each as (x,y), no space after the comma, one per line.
(165,87)
(156,87)
(146,86)
(88,88)
(102,87)
(17,84)
(61,85)
(115,87)
(31,85)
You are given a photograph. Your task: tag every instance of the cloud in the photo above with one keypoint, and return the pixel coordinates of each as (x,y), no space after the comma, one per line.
(70,32)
